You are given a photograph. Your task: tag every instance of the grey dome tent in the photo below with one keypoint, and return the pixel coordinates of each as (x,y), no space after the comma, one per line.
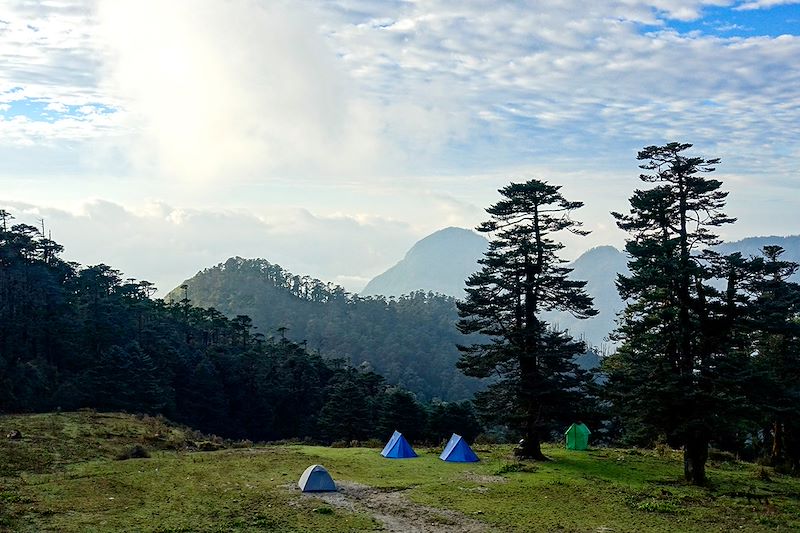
(398,448)
(577,436)
(316,479)
(458,451)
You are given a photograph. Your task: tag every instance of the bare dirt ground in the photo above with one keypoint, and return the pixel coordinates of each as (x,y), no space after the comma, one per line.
(396,512)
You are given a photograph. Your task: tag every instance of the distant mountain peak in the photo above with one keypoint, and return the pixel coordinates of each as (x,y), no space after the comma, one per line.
(439,263)
(445,235)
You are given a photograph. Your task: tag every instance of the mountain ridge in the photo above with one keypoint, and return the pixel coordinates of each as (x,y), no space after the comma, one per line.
(598,266)
(410,340)
(458,247)
(408,337)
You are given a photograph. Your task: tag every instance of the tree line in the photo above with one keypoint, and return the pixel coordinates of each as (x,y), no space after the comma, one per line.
(709,349)
(709,343)
(73,337)
(410,340)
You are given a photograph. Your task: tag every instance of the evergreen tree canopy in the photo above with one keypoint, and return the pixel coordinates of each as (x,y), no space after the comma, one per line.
(776,345)
(522,276)
(73,337)
(677,372)
(410,340)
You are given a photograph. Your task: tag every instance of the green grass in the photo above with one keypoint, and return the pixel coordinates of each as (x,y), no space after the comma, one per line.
(63,476)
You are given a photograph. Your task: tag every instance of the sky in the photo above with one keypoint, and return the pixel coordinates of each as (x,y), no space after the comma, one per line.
(330,135)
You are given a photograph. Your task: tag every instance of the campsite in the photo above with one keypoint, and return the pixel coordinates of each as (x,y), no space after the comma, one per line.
(68,478)
(449,266)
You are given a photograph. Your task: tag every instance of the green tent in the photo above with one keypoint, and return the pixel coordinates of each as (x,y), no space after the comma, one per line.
(578,436)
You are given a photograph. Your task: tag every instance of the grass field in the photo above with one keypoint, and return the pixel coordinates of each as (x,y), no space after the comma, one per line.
(65,475)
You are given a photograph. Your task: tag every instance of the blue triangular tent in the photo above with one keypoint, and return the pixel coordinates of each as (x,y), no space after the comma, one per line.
(316,479)
(398,448)
(458,451)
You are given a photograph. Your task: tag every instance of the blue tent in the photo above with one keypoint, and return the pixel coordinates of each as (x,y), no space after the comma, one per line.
(316,479)
(398,448)
(458,451)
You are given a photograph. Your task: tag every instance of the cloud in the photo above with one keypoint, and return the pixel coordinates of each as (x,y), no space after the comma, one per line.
(357,90)
(533,81)
(235,90)
(396,110)
(764,4)
(165,244)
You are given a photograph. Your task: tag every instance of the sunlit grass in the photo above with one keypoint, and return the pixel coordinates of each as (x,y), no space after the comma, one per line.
(63,476)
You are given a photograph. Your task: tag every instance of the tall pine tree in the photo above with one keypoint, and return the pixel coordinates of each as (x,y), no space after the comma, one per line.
(776,345)
(521,277)
(671,374)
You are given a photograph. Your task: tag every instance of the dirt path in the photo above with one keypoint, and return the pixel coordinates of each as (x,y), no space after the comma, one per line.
(397,512)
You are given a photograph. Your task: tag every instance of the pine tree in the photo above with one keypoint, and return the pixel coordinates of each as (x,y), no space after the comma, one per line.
(521,277)
(346,414)
(399,410)
(776,321)
(670,373)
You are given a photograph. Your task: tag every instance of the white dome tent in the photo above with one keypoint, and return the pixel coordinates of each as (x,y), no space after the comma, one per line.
(316,479)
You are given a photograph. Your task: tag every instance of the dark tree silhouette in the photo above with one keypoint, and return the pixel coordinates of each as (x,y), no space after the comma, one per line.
(521,277)
(670,371)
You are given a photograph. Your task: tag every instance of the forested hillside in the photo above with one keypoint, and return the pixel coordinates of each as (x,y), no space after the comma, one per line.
(410,340)
(73,337)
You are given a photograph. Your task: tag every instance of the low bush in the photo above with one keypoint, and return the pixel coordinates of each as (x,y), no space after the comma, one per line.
(137,451)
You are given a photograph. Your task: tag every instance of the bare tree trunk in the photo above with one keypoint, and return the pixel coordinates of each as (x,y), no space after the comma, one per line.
(531,447)
(695,454)
(777,442)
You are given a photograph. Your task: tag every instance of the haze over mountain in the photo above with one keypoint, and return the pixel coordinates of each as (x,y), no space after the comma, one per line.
(440,263)
(599,268)
(753,245)
(410,340)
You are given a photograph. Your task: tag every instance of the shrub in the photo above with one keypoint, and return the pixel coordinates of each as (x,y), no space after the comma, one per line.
(137,451)
(209,446)
(484,439)
(763,475)
(662,449)
(373,443)
(721,456)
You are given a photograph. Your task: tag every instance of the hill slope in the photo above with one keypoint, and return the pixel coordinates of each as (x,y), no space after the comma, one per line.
(440,263)
(411,340)
(599,268)
(253,488)
(753,245)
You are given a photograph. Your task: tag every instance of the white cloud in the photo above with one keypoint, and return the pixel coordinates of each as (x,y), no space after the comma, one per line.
(237,89)
(764,4)
(49,52)
(407,112)
(355,89)
(165,244)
